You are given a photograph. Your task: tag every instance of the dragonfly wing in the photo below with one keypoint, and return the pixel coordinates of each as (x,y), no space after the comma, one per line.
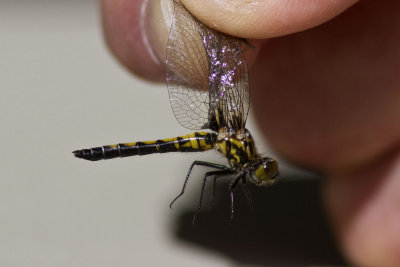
(187,71)
(228,80)
(207,75)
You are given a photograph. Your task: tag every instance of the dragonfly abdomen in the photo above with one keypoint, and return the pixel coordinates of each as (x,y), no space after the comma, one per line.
(198,141)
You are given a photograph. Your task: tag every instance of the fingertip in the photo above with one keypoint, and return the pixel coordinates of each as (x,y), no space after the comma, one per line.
(259,19)
(136,32)
(123,32)
(364,209)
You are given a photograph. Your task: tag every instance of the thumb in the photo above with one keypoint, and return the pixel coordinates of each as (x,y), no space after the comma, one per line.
(259,19)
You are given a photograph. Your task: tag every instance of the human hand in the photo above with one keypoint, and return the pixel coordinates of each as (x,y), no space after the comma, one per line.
(327,98)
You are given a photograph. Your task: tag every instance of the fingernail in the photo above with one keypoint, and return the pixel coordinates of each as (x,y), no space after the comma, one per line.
(155,22)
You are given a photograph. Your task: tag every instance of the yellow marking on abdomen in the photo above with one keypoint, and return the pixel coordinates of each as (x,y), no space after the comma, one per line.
(191,139)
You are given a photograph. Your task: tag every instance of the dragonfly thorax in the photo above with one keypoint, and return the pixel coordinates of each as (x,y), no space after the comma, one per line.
(238,147)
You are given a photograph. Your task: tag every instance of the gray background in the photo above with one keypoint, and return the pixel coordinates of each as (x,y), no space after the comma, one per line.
(61,90)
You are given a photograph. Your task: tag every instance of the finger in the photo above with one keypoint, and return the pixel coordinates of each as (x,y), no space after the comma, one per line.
(364,208)
(259,19)
(137,33)
(123,24)
(329,98)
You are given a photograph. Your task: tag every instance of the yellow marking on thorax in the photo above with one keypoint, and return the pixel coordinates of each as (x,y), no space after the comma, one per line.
(221,146)
(237,148)
(236,145)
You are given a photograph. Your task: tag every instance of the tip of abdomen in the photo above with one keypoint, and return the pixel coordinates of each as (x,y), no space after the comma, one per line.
(78,153)
(87,154)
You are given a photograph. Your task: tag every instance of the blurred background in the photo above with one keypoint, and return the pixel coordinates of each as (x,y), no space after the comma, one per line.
(61,90)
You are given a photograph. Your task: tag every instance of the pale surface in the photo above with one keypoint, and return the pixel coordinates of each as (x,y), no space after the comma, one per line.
(61,90)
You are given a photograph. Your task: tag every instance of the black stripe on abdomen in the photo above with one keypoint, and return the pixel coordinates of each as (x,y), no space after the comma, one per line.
(189,143)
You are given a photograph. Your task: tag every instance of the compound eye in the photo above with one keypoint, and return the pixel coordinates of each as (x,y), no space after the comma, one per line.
(266,173)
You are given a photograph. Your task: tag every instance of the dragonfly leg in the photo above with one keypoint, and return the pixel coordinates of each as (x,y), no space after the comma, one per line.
(216,174)
(248,44)
(247,193)
(214,186)
(197,163)
(232,187)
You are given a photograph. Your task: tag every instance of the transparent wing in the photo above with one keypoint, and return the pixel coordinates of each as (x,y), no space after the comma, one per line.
(187,71)
(207,75)
(228,80)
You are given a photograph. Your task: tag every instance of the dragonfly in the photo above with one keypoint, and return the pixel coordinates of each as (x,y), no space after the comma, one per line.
(208,84)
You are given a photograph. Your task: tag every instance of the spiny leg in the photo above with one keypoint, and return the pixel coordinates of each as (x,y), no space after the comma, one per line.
(216,174)
(247,193)
(214,186)
(232,188)
(197,163)
(248,44)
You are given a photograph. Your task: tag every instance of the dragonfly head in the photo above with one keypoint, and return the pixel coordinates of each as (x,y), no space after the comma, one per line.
(264,172)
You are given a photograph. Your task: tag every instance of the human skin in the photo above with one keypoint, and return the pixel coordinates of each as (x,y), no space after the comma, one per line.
(325,92)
